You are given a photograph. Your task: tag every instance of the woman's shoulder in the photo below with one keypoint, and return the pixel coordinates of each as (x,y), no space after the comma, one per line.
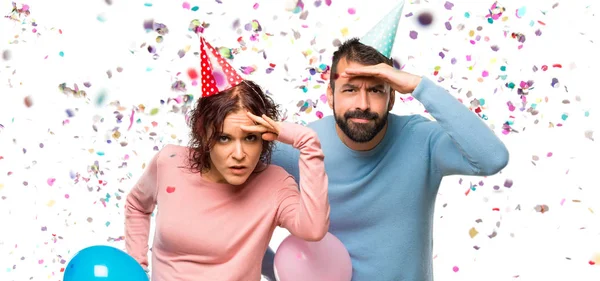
(273,173)
(173,152)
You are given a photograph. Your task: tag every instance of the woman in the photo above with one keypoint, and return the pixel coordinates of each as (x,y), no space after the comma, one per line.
(218,200)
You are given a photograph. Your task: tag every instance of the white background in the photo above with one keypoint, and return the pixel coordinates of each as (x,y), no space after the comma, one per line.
(530,245)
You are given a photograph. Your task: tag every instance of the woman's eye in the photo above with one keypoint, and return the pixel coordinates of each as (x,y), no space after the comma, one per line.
(251,138)
(223,139)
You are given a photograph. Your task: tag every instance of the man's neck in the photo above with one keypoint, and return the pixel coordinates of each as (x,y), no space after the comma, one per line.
(361,146)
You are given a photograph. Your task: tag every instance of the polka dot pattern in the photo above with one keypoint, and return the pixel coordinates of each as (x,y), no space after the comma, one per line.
(383,34)
(216,74)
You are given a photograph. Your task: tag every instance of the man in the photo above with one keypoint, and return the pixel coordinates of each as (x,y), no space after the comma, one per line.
(385,169)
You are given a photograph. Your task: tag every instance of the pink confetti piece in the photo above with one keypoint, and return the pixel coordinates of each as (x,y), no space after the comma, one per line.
(255,6)
(186,5)
(455,269)
(131,120)
(413,34)
(485,74)
(323,98)
(351,11)
(51,181)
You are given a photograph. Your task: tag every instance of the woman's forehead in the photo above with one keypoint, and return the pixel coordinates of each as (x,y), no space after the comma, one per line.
(234,120)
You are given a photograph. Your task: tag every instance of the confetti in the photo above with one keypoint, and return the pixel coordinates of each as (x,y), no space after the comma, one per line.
(448,5)
(425,18)
(28,101)
(6,55)
(413,34)
(100,120)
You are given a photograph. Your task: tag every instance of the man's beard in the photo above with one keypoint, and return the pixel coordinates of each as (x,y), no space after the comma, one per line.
(361,132)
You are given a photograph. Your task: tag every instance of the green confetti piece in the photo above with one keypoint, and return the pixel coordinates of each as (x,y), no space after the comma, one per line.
(467,15)
(148,4)
(100,153)
(61,53)
(564,117)
(154,111)
(195,8)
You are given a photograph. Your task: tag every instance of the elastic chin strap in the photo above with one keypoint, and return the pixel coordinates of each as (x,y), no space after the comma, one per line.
(261,98)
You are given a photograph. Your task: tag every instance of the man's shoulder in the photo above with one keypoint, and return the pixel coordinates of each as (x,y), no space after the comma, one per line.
(322,125)
(412,122)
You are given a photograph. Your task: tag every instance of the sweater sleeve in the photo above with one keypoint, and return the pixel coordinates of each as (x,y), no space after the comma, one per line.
(463,144)
(304,212)
(139,205)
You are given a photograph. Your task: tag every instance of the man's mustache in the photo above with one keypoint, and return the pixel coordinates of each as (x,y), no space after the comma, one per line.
(361,114)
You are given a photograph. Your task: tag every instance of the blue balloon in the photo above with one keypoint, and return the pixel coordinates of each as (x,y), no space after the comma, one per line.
(103,263)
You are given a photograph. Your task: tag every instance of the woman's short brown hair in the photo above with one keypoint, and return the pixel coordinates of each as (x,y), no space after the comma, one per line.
(207,117)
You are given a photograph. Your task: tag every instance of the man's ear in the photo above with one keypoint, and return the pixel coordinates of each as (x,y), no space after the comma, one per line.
(329,96)
(392,99)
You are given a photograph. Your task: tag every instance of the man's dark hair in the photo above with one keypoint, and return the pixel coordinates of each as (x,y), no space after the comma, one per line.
(353,50)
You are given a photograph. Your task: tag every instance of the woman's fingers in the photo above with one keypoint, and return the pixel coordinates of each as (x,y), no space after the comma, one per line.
(254,128)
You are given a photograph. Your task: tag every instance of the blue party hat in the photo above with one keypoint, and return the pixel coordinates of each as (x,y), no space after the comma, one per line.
(383,34)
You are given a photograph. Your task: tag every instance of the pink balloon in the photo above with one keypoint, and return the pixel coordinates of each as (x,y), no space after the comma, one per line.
(299,260)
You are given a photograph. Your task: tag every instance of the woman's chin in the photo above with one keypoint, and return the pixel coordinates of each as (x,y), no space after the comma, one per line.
(237,179)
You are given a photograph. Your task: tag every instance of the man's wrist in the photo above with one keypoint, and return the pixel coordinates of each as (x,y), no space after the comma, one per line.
(416,81)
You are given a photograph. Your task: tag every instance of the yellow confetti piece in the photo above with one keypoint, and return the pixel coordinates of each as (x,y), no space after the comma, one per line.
(592,211)
(344,31)
(471,33)
(173,136)
(473,232)
(492,61)
(91,150)
(505,18)
(596,258)
(187,48)
(50,203)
